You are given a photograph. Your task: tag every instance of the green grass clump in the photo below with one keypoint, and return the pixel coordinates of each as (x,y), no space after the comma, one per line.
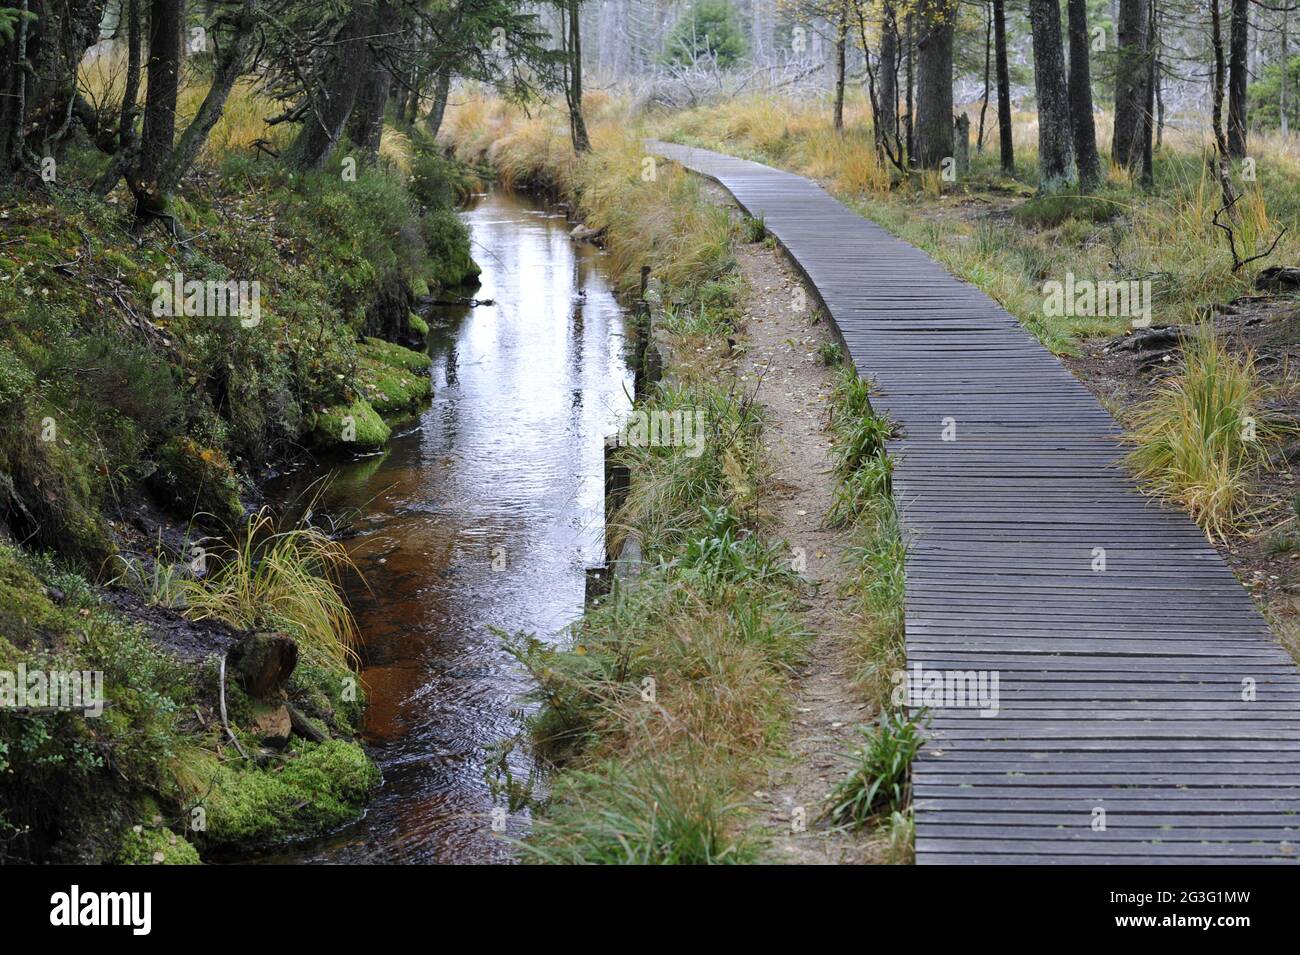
(880,781)
(831,354)
(858,442)
(1202,435)
(878,555)
(752,229)
(1046,212)
(281,580)
(645,815)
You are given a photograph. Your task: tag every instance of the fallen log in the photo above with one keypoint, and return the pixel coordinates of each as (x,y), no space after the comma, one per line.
(1278,278)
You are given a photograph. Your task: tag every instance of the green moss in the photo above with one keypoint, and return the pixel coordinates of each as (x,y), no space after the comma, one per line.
(392,392)
(395,380)
(320,786)
(25,607)
(418,326)
(197,480)
(397,356)
(419,287)
(148,844)
(353,427)
(448,241)
(328,696)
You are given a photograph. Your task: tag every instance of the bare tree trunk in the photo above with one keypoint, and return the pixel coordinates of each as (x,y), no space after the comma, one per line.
(1286,69)
(366,124)
(131,92)
(888,70)
(841,42)
(1223,166)
(1148,116)
(231,58)
(988,69)
(160,99)
(332,104)
(441,88)
(1081,119)
(1237,78)
(127,141)
(1055,150)
(909,122)
(573,88)
(1007,149)
(1131,74)
(934,141)
(1157,79)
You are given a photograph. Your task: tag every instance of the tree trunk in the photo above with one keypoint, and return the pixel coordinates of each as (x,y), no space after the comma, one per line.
(1237,78)
(888,71)
(1223,166)
(232,55)
(131,92)
(1055,150)
(441,87)
(1007,149)
(934,82)
(573,89)
(332,104)
(909,123)
(1148,116)
(126,136)
(841,42)
(1131,73)
(163,72)
(1080,88)
(366,124)
(410,96)
(38,70)
(1286,70)
(1158,93)
(988,72)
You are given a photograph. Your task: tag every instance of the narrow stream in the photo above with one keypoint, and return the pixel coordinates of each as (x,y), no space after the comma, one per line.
(483,513)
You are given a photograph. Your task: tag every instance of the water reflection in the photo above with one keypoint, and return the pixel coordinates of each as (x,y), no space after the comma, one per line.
(483,513)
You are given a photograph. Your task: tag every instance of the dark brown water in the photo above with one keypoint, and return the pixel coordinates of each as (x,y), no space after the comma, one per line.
(482,513)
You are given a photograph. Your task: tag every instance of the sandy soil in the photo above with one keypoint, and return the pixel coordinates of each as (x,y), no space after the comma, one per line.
(794,386)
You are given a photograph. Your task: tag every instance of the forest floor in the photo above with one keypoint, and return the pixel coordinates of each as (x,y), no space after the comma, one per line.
(794,387)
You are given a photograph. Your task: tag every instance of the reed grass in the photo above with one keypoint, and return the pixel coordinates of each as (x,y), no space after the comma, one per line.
(284,580)
(1203,433)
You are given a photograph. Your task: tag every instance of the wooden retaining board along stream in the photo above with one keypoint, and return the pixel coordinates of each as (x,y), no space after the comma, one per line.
(1120,690)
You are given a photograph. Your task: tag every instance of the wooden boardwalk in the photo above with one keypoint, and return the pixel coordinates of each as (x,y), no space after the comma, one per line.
(1121,690)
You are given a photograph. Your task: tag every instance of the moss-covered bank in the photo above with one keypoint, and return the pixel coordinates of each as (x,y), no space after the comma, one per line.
(133,422)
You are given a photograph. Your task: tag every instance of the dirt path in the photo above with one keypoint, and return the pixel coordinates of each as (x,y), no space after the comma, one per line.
(782,346)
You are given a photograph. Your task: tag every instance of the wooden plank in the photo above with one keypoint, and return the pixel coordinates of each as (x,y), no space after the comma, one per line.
(1122,687)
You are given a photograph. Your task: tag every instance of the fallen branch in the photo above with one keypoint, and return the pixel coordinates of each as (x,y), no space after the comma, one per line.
(221,683)
(471,302)
(1237,261)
